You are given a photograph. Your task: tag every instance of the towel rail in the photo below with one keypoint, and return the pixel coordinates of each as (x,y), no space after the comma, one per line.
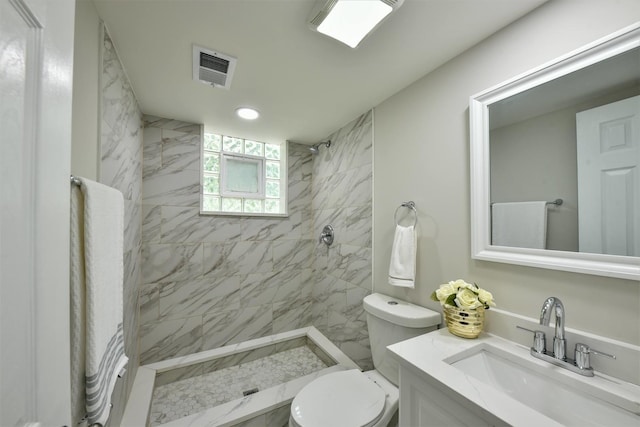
(556,202)
(75,180)
(409,205)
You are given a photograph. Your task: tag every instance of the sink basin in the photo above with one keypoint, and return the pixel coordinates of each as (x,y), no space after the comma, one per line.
(567,400)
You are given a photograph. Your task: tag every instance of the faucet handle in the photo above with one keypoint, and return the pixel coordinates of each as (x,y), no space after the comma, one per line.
(582,355)
(327,235)
(539,339)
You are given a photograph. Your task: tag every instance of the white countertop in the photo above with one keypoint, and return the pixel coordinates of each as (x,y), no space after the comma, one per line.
(429,354)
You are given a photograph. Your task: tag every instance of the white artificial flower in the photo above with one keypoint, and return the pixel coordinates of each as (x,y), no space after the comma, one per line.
(486,298)
(443,292)
(468,299)
(458,284)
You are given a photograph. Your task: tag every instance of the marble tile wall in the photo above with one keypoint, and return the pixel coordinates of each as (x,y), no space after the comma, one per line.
(342,197)
(198,282)
(121,168)
(209,281)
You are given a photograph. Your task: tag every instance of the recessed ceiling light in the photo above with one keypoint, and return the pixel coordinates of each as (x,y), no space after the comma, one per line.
(247,113)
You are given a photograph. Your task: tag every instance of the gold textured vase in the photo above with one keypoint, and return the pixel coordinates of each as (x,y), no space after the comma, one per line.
(463,322)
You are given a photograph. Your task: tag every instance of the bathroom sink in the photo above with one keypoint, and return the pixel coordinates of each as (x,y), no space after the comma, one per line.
(561,397)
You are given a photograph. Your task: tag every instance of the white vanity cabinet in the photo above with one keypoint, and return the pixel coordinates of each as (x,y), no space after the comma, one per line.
(424,402)
(489,381)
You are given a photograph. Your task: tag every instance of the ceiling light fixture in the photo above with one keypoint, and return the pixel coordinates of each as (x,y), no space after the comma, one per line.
(247,113)
(350,21)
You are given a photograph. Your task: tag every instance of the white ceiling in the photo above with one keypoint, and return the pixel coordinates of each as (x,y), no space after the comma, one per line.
(305,85)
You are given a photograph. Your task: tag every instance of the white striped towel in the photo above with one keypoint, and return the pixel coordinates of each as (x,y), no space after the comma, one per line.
(102,238)
(78,297)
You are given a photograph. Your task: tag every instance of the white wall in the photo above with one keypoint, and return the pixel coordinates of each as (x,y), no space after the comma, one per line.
(86,58)
(421,153)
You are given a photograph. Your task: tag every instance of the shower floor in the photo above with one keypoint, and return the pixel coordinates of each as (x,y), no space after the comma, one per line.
(192,395)
(267,363)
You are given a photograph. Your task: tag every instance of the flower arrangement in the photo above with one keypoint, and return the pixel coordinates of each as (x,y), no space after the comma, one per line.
(463,295)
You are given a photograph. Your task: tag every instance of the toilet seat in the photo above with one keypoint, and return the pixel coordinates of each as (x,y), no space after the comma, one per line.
(346,398)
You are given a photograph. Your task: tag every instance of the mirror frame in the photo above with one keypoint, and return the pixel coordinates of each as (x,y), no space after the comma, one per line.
(623,267)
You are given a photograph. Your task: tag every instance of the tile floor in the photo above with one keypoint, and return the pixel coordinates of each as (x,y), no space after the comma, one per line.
(190,396)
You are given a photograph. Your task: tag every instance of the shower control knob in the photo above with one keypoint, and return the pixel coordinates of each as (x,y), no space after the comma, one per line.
(326,236)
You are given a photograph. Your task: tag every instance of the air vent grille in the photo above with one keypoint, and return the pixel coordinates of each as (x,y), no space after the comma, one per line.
(214,63)
(213,68)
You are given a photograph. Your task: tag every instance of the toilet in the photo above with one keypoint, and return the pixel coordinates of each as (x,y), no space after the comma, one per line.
(352,398)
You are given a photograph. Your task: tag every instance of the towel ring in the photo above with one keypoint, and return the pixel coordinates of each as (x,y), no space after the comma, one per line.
(409,205)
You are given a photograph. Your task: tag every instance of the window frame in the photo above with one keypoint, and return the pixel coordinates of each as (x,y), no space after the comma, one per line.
(283,180)
(224,177)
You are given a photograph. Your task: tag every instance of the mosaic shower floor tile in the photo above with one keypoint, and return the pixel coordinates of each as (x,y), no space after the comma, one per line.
(192,395)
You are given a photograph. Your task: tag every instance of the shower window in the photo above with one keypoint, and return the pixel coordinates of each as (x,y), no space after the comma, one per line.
(242,177)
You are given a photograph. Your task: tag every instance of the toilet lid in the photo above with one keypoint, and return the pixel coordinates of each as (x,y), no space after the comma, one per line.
(342,398)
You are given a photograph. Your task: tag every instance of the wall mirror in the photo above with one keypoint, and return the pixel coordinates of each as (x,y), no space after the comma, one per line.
(555,163)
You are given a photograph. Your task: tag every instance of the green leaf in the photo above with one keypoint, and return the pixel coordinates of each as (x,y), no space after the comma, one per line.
(434,297)
(451,300)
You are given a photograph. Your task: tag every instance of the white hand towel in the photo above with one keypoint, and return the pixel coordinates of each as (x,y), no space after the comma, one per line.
(402,268)
(519,224)
(100,242)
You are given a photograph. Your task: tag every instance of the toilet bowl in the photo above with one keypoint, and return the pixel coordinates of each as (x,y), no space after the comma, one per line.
(365,399)
(346,398)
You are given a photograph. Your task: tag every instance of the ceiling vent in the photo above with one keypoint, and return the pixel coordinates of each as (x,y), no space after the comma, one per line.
(213,68)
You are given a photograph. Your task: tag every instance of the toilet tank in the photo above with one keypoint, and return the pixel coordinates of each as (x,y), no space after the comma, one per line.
(391,320)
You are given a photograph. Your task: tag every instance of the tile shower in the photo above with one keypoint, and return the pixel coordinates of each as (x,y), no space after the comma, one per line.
(199,282)
(342,196)
(121,168)
(209,281)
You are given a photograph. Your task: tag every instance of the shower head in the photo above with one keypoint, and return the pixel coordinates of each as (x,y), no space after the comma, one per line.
(315,148)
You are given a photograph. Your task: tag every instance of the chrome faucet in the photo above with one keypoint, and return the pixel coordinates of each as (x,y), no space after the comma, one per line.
(559,343)
(582,364)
